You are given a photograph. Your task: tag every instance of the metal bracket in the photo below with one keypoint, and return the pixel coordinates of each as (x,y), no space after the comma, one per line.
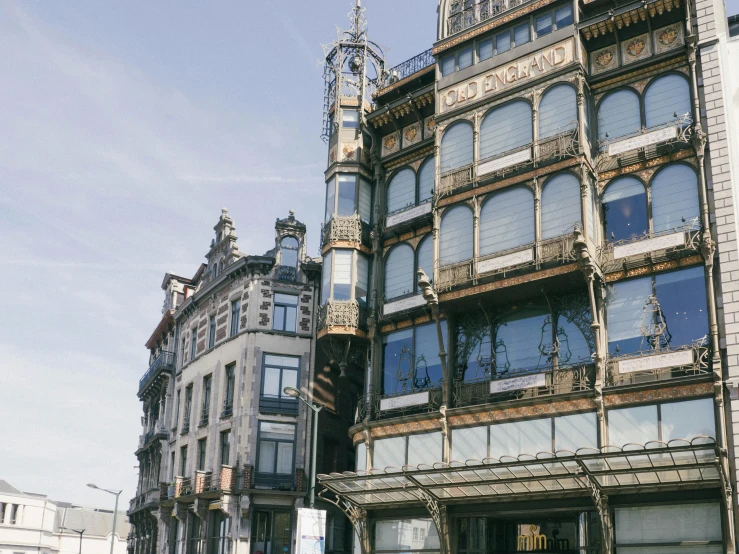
(437,511)
(356,515)
(601,504)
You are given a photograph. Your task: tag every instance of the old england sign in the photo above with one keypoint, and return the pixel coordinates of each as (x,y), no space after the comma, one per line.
(506,76)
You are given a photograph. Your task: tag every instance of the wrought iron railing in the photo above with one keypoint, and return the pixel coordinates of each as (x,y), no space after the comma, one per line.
(342,313)
(345,228)
(157,429)
(164,362)
(659,365)
(453,180)
(559,146)
(464,14)
(287,273)
(406,69)
(522,384)
(228,409)
(408,402)
(449,276)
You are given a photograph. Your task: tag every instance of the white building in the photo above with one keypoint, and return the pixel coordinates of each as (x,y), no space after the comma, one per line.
(33,523)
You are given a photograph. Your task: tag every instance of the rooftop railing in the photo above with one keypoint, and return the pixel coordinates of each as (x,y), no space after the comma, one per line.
(464,14)
(406,69)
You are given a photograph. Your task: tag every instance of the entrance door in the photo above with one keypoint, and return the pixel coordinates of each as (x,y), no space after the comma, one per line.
(271,532)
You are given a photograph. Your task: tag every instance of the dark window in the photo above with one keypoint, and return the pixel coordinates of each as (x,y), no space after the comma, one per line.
(279,372)
(228,397)
(174,531)
(177,410)
(225,447)
(212,331)
(194,538)
(563,16)
(188,406)
(734,25)
(193,343)
(289,251)
(205,412)
(201,454)
(183,461)
(172,466)
(625,209)
(235,314)
(411,359)
(220,533)
(275,456)
(285,312)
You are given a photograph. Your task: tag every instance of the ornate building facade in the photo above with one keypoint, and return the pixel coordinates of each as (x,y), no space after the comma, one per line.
(528,256)
(224,451)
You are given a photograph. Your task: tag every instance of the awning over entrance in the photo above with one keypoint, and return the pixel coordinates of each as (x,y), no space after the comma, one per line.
(656,465)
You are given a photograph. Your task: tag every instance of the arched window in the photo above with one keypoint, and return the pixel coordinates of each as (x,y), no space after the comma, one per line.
(401,192)
(456,235)
(674,198)
(625,209)
(521,341)
(426,180)
(506,128)
(666,99)
(560,205)
(557,111)
(425,258)
(399,271)
(619,114)
(289,252)
(456,146)
(507,220)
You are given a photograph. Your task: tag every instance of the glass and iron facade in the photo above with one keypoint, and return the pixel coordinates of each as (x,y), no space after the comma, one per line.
(528,257)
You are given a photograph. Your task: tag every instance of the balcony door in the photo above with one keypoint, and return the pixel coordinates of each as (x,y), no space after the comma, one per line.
(271,532)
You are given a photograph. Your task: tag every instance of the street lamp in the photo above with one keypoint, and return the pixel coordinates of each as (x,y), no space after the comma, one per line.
(316,407)
(79,531)
(115,510)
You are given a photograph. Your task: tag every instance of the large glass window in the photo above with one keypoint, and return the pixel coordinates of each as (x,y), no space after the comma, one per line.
(470,443)
(399,277)
(575,431)
(456,146)
(456,235)
(411,450)
(285,312)
(506,128)
(411,359)
(425,258)
(507,220)
(560,206)
(557,111)
(672,303)
(235,315)
(407,534)
(349,118)
(517,339)
(326,277)
(338,274)
(625,209)
(279,372)
(389,452)
(401,191)
(347,199)
(361,457)
(347,195)
(619,114)
(666,99)
(342,281)
(361,287)
(675,198)
(289,252)
(276,446)
(426,180)
(330,199)
(521,437)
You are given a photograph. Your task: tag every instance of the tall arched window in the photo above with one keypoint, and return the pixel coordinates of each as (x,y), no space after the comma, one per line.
(507,220)
(619,114)
(625,209)
(674,198)
(560,205)
(289,252)
(401,192)
(456,235)
(425,257)
(426,180)
(456,149)
(557,111)
(506,128)
(666,99)
(399,271)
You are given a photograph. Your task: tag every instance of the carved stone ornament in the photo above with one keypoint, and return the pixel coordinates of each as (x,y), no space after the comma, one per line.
(603,60)
(429,124)
(411,134)
(349,152)
(636,49)
(390,143)
(668,38)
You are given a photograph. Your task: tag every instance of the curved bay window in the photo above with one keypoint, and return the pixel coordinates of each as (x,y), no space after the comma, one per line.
(345,276)
(523,339)
(456,149)
(662,311)
(507,220)
(557,111)
(411,359)
(506,128)
(407,189)
(674,204)
(456,235)
(348,195)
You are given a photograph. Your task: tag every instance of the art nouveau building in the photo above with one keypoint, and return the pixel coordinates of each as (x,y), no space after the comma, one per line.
(558,383)
(223,453)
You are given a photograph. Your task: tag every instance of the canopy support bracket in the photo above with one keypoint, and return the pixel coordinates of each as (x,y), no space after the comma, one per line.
(600,500)
(356,515)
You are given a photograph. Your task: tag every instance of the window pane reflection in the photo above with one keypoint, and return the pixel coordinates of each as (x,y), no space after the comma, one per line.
(347,195)
(687,420)
(469,443)
(521,437)
(425,448)
(389,453)
(632,425)
(682,298)
(406,535)
(625,209)
(521,340)
(575,431)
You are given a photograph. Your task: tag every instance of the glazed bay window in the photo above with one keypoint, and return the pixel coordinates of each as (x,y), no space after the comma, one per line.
(411,359)
(345,276)
(407,188)
(235,314)
(661,422)
(275,453)
(348,194)
(411,450)
(279,372)
(285,313)
(657,312)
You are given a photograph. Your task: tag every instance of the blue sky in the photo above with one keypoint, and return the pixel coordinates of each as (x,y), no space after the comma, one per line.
(125,129)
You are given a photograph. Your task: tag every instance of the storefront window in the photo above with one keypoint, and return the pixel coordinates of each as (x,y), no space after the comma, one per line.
(575,431)
(483,535)
(389,453)
(521,437)
(470,443)
(411,450)
(410,534)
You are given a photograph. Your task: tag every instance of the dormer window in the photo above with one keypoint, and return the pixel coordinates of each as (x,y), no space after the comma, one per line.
(289,251)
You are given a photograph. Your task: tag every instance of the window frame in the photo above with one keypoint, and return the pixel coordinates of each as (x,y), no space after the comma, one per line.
(229,389)
(235,316)
(417,186)
(268,404)
(273,477)
(353,278)
(333,183)
(281,304)
(183,461)
(224,445)
(193,343)
(211,331)
(205,406)
(202,453)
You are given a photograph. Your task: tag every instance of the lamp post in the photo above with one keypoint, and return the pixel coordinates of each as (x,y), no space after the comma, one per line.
(115,510)
(316,407)
(79,531)
(432,299)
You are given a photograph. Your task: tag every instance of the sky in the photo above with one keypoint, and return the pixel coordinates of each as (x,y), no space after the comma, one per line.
(124,129)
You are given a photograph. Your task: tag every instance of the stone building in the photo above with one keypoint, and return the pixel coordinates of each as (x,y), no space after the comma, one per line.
(529,265)
(224,452)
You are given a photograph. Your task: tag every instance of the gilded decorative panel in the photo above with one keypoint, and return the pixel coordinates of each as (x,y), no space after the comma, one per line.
(636,49)
(411,134)
(429,124)
(390,143)
(349,152)
(603,60)
(332,155)
(668,38)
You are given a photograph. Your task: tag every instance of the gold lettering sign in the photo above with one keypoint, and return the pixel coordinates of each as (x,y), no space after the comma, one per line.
(506,76)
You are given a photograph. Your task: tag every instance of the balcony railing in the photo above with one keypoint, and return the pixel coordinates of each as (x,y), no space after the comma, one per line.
(406,69)
(342,313)
(164,362)
(185,424)
(518,385)
(464,14)
(345,229)
(659,365)
(157,429)
(414,401)
(287,273)
(228,409)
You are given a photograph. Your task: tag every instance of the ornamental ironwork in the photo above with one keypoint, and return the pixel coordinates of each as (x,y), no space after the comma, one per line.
(406,69)
(341,313)
(385,406)
(464,14)
(452,275)
(560,146)
(344,228)
(663,365)
(452,181)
